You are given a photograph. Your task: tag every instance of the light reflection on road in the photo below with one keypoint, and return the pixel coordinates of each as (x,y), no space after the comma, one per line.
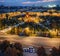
(47,43)
(33,41)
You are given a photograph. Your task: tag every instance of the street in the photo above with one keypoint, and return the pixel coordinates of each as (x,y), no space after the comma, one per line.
(26,42)
(32,41)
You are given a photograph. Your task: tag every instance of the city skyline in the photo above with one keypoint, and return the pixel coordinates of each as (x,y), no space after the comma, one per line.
(29,2)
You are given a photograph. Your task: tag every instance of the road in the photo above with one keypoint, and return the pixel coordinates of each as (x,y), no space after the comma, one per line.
(33,41)
(10,27)
(30,54)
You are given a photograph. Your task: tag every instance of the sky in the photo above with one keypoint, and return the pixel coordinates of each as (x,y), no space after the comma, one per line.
(29,2)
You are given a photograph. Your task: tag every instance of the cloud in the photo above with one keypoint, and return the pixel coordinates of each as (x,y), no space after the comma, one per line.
(48,0)
(1,0)
(36,2)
